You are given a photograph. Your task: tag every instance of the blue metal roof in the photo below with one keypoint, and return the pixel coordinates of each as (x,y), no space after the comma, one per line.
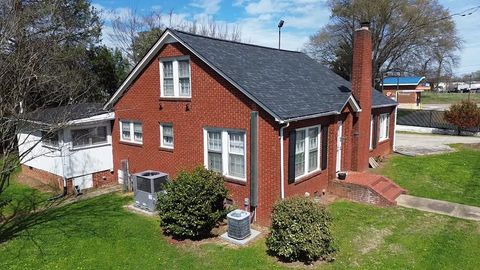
(402,80)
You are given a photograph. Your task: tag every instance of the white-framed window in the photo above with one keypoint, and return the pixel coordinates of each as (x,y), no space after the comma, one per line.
(131,131)
(89,136)
(50,139)
(384,126)
(175,78)
(371,131)
(307,150)
(166,136)
(225,152)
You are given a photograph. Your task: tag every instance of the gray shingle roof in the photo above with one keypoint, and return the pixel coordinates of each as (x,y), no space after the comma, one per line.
(288,83)
(62,114)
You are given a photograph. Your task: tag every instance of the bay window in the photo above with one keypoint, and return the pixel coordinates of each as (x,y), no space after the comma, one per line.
(225,152)
(175,78)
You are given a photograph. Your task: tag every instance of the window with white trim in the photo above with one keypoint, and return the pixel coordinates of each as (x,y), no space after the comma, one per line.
(225,152)
(384,126)
(89,136)
(175,78)
(131,131)
(307,151)
(166,136)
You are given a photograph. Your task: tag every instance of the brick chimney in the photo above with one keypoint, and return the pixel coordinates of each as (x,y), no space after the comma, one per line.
(362,91)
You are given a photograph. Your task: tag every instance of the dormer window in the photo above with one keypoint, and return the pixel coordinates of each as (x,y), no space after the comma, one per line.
(175,78)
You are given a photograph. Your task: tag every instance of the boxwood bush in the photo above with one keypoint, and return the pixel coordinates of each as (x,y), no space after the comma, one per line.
(193,204)
(300,231)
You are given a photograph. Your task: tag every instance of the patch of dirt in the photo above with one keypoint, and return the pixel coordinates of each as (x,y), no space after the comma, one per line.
(371,239)
(301,265)
(51,187)
(475,146)
(396,248)
(214,238)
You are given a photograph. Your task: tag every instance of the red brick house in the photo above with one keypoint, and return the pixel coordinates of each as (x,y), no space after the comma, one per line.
(274,122)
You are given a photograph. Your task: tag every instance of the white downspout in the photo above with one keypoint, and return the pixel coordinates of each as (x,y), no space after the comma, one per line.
(282,171)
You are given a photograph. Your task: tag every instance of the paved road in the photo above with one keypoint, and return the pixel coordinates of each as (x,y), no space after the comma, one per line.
(424,144)
(440,207)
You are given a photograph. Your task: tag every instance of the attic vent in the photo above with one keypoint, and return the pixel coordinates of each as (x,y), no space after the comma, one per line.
(238,224)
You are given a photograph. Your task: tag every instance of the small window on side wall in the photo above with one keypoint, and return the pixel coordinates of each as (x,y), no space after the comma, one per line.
(384,126)
(131,131)
(166,136)
(175,78)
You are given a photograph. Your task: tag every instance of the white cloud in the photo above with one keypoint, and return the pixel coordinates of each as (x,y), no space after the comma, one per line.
(208,6)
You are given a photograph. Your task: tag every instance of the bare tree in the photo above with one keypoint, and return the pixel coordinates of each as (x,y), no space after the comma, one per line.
(40,67)
(406,35)
(135,34)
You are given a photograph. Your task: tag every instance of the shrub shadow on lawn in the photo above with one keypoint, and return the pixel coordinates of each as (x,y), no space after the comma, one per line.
(53,221)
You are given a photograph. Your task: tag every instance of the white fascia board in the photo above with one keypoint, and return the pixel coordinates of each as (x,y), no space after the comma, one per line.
(96,118)
(165,38)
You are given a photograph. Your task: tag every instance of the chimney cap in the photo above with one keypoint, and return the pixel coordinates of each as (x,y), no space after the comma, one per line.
(365,24)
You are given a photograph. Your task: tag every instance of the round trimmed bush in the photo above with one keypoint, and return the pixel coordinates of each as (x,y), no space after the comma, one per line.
(193,204)
(300,231)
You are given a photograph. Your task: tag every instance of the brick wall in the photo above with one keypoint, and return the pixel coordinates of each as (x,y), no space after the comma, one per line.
(103,179)
(356,193)
(214,103)
(385,147)
(44,177)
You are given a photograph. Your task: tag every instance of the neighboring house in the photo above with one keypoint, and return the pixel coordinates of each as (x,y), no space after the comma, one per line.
(407,91)
(275,123)
(68,146)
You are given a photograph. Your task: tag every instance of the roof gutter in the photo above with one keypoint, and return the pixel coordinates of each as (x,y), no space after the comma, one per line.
(307,117)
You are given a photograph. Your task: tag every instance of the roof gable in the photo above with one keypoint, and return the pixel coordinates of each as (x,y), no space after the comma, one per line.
(287,84)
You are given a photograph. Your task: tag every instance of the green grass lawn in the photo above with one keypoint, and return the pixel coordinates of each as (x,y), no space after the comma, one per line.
(99,234)
(453,177)
(447,98)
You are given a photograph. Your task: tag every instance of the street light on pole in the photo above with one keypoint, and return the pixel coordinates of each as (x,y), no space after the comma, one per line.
(280,25)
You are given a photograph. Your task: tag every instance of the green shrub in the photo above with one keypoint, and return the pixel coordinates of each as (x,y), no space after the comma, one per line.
(300,231)
(193,204)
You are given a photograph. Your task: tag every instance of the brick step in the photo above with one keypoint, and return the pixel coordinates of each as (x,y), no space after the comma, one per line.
(393,193)
(377,185)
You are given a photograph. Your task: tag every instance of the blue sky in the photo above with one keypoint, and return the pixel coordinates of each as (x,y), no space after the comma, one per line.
(258,20)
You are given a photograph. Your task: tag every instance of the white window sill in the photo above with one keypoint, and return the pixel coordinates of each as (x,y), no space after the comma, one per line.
(235,178)
(75,148)
(166,147)
(307,175)
(131,142)
(175,98)
(382,140)
(51,147)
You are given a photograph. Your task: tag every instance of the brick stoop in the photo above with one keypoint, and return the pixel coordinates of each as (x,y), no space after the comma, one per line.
(367,187)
